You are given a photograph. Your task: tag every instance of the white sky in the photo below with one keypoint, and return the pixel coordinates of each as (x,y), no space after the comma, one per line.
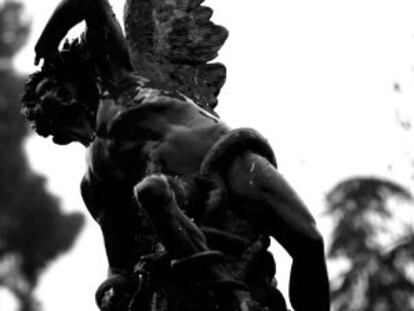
(315,77)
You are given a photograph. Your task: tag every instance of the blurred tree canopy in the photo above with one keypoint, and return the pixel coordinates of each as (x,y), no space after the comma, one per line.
(33,229)
(377,277)
(14,26)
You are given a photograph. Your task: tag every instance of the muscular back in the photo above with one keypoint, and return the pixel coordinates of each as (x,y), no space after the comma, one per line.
(156,131)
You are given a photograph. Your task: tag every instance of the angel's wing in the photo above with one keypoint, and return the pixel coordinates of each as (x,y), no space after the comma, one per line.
(172,42)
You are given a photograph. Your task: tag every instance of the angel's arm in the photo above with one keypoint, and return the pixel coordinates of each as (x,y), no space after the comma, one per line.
(278,211)
(104,35)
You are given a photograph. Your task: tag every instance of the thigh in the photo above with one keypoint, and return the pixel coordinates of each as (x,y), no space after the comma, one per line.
(177,232)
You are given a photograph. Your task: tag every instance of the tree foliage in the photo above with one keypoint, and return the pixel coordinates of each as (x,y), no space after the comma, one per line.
(14,26)
(33,229)
(378,276)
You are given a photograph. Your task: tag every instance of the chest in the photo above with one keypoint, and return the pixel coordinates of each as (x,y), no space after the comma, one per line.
(179,153)
(165,136)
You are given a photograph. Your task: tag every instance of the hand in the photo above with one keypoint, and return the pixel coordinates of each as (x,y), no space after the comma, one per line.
(50,58)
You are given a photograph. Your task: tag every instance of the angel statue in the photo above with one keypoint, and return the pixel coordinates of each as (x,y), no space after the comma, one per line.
(186,204)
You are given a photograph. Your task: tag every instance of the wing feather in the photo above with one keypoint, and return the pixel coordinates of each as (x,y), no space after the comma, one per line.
(172,42)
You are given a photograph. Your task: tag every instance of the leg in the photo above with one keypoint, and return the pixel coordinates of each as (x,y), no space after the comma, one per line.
(180,236)
(183,239)
(278,209)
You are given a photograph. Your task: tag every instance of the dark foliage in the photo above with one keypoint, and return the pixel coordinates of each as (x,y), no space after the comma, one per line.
(14,27)
(33,230)
(377,277)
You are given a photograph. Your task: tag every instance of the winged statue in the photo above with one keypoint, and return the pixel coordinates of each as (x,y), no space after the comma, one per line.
(186,204)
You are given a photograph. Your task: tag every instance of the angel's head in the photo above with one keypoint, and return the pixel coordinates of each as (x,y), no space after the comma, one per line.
(61,101)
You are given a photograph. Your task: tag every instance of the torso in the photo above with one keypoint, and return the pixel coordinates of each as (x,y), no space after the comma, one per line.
(165,133)
(154,132)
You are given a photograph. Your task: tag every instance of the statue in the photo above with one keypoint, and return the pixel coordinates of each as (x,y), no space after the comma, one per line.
(186,205)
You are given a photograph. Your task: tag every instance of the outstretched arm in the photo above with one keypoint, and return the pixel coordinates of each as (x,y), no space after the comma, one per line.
(104,36)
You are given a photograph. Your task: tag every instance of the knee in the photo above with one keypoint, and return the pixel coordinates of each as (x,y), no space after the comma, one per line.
(117,289)
(153,190)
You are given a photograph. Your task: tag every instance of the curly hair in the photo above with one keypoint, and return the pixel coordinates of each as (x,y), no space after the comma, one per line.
(47,101)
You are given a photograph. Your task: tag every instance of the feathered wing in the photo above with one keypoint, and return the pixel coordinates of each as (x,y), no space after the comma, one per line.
(172,42)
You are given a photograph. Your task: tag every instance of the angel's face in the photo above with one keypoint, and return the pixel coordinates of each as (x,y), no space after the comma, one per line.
(65,113)
(66,92)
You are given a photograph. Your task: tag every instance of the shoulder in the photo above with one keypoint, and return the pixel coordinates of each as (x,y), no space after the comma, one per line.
(152,98)
(150,103)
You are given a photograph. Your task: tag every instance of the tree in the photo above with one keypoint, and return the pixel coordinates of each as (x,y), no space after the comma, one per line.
(33,230)
(377,276)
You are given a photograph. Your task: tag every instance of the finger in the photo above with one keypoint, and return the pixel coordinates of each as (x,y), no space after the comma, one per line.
(37,59)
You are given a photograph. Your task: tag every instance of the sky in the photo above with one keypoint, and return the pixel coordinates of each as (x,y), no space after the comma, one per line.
(323,81)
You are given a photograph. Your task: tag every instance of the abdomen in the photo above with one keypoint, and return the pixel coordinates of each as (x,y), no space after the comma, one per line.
(186,146)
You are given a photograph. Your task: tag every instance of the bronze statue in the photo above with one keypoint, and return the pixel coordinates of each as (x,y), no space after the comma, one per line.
(186,205)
